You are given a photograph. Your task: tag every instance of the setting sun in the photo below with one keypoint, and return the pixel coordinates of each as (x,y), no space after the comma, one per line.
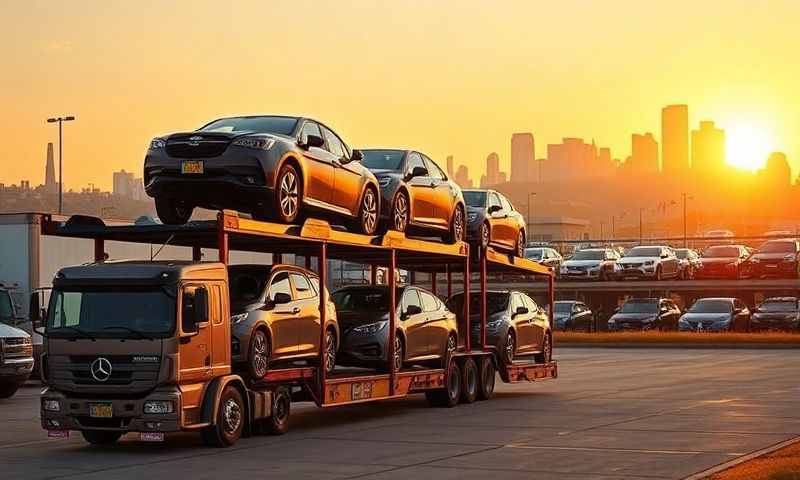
(748,146)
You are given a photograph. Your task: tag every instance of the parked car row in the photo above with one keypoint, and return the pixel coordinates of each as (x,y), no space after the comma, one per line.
(284,169)
(774,258)
(276,320)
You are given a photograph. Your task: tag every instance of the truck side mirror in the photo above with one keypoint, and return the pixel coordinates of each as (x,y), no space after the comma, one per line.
(36,311)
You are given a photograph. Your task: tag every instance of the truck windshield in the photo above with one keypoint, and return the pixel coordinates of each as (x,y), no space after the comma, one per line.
(147,312)
(6,308)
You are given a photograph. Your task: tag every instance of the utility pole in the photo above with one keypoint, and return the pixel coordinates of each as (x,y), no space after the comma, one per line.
(641,236)
(685,237)
(613,227)
(528,226)
(60,121)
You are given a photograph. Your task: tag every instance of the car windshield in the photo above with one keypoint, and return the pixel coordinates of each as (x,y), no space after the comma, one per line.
(6,308)
(588,255)
(563,307)
(111,313)
(534,253)
(644,252)
(711,306)
(247,283)
(362,300)
(721,252)
(777,247)
(778,306)
(475,198)
(496,302)
(640,306)
(279,125)
(383,159)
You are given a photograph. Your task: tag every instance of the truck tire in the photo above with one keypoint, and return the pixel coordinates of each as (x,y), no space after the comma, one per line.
(469,381)
(487,375)
(101,437)
(231,416)
(8,389)
(449,396)
(278,423)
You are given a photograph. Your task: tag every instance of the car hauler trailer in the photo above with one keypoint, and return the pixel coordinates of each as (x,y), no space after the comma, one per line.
(191,382)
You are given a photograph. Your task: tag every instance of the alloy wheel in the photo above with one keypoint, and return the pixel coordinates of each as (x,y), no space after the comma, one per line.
(289,193)
(400,214)
(484,235)
(510,347)
(548,349)
(520,244)
(398,353)
(458,225)
(260,355)
(231,415)
(330,352)
(369,212)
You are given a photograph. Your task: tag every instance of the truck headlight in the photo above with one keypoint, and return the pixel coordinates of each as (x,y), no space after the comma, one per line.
(158,406)
(157,143)
(257,143)
(51,405)
(370,328)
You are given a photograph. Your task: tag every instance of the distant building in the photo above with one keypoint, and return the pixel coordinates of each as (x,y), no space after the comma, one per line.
(449,165)
(50,184)
(675,138)
(708,148)
(571,159)
(523,153)
(551,229)
(126,185)
(644,154)
(462,177)
(493,174)
(776,172)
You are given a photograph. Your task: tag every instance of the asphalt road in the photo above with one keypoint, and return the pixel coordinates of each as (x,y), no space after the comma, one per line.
(611,414)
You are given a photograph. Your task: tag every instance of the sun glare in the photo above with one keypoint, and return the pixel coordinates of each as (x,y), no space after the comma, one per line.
(747,147)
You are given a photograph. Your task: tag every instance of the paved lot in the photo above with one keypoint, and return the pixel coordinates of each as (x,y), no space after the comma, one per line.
(612,414)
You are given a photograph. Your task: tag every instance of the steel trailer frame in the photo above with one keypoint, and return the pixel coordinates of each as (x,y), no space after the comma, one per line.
(316,238)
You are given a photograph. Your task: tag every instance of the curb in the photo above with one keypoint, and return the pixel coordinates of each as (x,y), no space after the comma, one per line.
(697,346)
(744,458)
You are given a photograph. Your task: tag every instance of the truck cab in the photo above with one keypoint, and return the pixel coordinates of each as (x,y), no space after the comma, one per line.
(143,347)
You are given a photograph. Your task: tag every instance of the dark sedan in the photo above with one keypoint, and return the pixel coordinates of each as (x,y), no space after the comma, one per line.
(426,329)
(723,261)
(573,315)
(775,258)
(273,167)
(778,313)
(417,196)
(645,314)
(516,325)
(492,221)
(714,315)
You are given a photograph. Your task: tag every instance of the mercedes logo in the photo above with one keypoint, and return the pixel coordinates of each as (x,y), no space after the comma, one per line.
(195,140)
(101,369)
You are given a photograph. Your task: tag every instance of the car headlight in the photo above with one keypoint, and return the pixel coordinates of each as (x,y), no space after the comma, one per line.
(157,143)
(384,181)
(51,405)
(158,406)
(370,328)
(257,143)
(650,262)
(790,258)
(238,318)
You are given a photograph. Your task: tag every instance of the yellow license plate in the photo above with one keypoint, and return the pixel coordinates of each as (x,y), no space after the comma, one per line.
(101,410)
(192,167)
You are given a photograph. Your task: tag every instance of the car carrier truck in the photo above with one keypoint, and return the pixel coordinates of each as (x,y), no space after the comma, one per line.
(169,368)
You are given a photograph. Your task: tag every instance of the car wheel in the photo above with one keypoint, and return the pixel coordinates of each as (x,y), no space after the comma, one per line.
(547,351)
(230,420)
(368,212)
(101,437)
(398,354)
(330,351)
(400,212)
(172,212)
(510,347)
(288,194)
(520,250)
(457,226)
(8,389)
(469,381)
(447,397)
(487,375)
(485,235)
(450,349)
(258,355)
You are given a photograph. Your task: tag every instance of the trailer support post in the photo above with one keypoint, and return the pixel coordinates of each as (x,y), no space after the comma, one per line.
(551,298)
(483,297)
(197,254)
(323,317)
(449,282)
(392,320)
(99,250)
(373,274)
(466,301)
(433,285)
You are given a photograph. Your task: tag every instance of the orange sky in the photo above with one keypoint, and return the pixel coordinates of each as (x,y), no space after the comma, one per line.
(447,77)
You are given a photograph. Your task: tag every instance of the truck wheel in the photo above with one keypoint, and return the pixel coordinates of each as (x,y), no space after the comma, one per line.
(547,351)
(447,397)
(231,416)
(172,212)
(100,437)
(469,381)
(8,389)
(487,377)
(278,423)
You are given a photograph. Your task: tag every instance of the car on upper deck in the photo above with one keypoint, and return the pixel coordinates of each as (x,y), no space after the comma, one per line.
(274,167)
(723,261)
(493,221)
(775,258)
(657,262)
(591,264)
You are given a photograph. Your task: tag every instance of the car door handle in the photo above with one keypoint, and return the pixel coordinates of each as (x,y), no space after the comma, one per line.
(296,310)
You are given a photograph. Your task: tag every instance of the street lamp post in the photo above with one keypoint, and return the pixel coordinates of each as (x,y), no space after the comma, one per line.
(530,200)
(641,236)
(685,239)
(60,121)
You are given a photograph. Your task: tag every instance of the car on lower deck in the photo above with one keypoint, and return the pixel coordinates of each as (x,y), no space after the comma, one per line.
(516,325)
(653,262)
(718,314)
(426,333)
(645,314)
(275,318)
(274,167)
(775,258)
(493,222)
(776,313)
(417,197)
(572,315)
(591,264)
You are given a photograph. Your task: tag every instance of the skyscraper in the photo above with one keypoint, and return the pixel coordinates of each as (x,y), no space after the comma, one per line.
(449,165)
(708,148)
(50,171)
(644,154)
(572,159)
(493,175)
(776,172)
(523,152)
(675,138)
(462,177)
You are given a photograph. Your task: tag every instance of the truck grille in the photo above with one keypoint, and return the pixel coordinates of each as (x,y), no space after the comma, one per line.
(180,146)
(73,373)
(16,348)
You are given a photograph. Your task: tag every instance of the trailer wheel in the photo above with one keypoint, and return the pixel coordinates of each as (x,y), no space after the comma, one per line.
(469,381)
(8,389)
(487,376)
(447,397)
(278,423)
(100,437)
(231,416)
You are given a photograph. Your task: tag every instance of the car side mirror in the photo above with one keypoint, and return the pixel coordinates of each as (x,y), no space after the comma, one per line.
(313,141)
(494,208)
(281,298)
(521,311)
(413,310)
(418,172)
(357,156)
